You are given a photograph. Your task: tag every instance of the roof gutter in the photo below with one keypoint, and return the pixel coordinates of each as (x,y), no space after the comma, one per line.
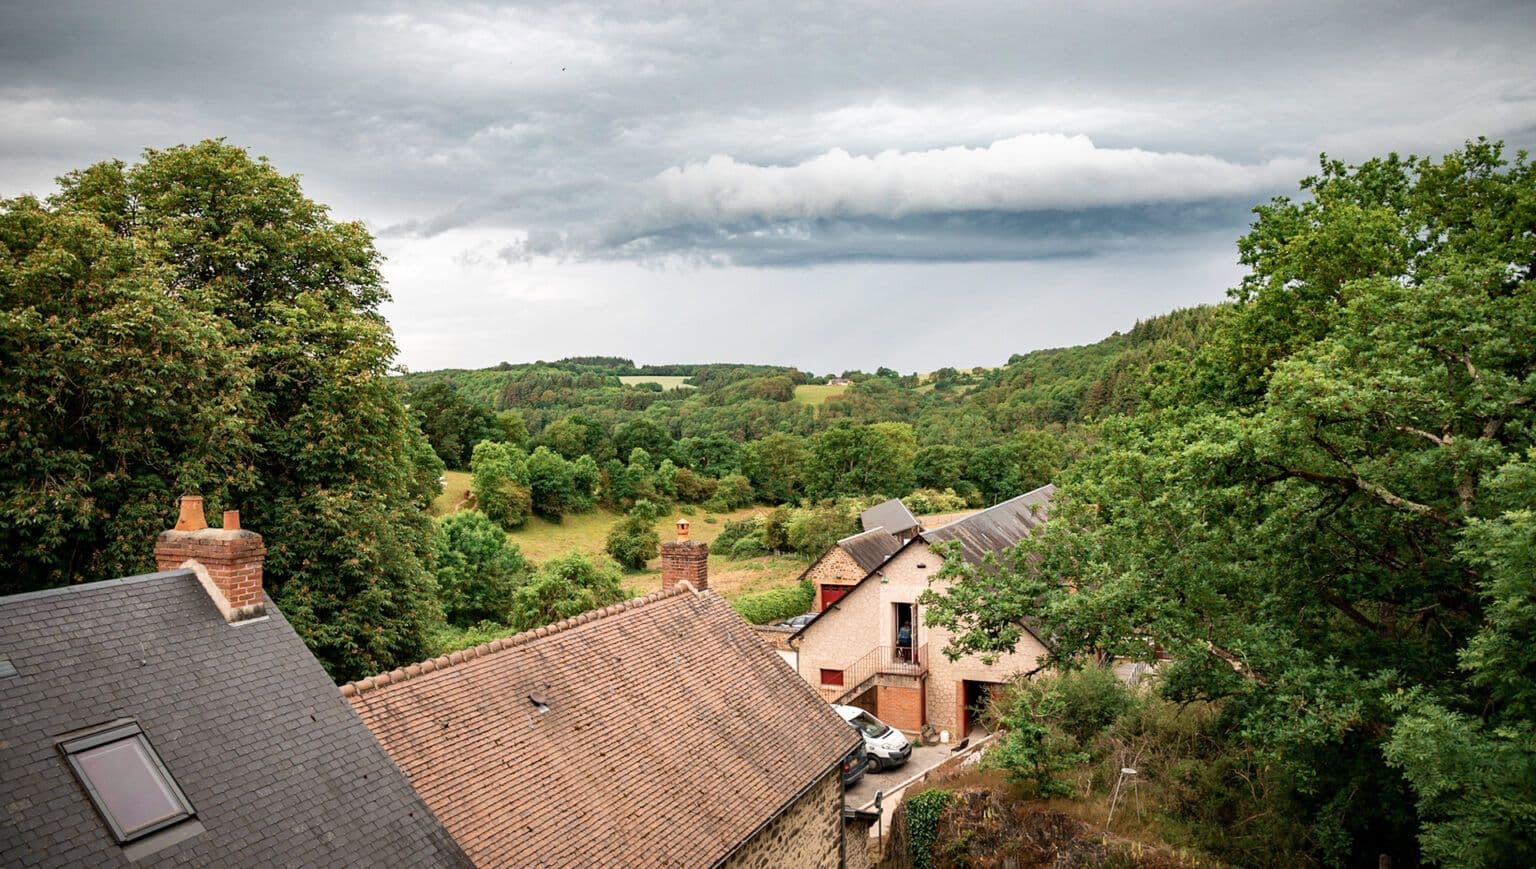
(834,768)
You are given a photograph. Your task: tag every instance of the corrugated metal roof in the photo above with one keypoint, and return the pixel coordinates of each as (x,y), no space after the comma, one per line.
(870,549)
(891,515)
(996,528)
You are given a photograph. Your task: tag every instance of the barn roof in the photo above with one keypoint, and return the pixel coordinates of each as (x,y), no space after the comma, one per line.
(891,515)
(998,527)
(870,549)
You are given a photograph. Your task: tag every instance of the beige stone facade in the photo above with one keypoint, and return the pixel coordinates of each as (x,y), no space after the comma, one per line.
(808,834)
(835,568)
(846,641)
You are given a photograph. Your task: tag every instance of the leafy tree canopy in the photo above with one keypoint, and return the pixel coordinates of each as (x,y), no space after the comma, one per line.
(194,322)
(1326,517)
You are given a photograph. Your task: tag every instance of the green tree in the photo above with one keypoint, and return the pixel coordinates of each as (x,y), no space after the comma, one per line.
(776,466)
(194,321)
(500,483)
(564,586)
(849,459)
(512,427)
(812,532)
(452,424)
(553,483)
(1326,526)
(642,434)
(477,569)
(634,541)
(711,455)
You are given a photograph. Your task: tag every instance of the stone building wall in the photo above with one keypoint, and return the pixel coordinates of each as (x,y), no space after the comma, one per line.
(866,619)
(809,834)
(836,567)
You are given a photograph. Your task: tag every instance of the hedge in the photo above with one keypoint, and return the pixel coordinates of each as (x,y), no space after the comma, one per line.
(779,603)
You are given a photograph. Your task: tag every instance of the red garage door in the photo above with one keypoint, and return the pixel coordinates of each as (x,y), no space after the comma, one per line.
(831,594)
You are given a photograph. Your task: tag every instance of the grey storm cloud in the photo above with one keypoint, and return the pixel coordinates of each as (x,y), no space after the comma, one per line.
(511,152)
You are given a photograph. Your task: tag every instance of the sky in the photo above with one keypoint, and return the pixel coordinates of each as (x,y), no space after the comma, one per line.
(828,185)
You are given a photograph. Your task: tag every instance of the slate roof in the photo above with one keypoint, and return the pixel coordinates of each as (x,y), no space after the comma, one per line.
(673,733)
(870,549)
(891,515)
(997,527)
(277,766)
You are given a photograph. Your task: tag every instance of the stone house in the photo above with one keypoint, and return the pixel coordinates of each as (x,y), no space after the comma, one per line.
(655,732)
(849,560)
(177,718)
(870,648)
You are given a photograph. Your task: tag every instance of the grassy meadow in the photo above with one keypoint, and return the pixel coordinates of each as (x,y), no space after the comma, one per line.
(586,533)
(816,393)
(666,381)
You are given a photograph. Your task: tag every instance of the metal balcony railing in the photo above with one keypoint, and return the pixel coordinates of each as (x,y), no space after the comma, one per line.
(877,662)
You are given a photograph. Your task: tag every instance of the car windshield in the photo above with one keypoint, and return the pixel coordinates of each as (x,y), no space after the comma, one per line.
(869,725)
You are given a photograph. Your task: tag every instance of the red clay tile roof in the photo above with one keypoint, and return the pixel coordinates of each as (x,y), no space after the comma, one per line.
(672,734)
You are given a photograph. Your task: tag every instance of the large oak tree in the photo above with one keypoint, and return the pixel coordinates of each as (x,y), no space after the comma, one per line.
(193,322)
(1329,520)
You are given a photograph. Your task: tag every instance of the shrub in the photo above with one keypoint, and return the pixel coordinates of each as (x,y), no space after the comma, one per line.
(634,541)
(775,604)
(477,569)
(691,487)
(564,586)
(736,529)
(923,811)
(1035,750)
(749,547)
(735,491)
(1092,699)
(925,501)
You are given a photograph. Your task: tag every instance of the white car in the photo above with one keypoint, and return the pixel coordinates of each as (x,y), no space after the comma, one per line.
(886,745)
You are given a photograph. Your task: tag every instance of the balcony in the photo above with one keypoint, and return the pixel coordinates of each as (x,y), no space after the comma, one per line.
(858,677)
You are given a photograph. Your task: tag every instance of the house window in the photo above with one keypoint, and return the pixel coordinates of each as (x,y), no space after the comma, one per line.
(831,677)
(126,781)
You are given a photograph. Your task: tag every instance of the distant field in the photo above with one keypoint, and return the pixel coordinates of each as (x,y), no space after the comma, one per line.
(588,532)
(666,381)
(455,487)
(816,393)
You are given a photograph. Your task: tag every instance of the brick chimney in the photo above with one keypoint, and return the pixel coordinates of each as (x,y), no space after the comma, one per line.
(684,559)
(227,560)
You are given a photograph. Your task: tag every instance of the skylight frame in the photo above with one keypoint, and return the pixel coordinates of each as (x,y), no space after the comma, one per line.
(121,731)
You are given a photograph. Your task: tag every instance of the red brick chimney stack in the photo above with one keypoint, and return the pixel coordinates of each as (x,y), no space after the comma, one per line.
(227,560)
(684,559)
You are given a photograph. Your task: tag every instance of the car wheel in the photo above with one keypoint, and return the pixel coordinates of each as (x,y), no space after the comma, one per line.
(875,764)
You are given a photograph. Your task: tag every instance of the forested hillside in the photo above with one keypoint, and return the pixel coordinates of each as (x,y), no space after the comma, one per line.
(975,432)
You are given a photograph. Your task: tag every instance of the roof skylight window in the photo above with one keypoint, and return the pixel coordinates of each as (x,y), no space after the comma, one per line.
(126,781)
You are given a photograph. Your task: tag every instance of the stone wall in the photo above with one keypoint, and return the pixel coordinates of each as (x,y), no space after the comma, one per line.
(808,834)
(836,567)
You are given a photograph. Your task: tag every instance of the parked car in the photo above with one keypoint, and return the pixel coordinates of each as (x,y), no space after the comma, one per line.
(798,621)
(887,747)
(855,765)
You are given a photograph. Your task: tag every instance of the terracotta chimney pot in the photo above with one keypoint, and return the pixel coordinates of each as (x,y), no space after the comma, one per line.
(231,520)
(191,518)
(682,529)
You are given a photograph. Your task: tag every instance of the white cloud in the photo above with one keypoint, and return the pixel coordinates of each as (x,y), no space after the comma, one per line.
(1028,172)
